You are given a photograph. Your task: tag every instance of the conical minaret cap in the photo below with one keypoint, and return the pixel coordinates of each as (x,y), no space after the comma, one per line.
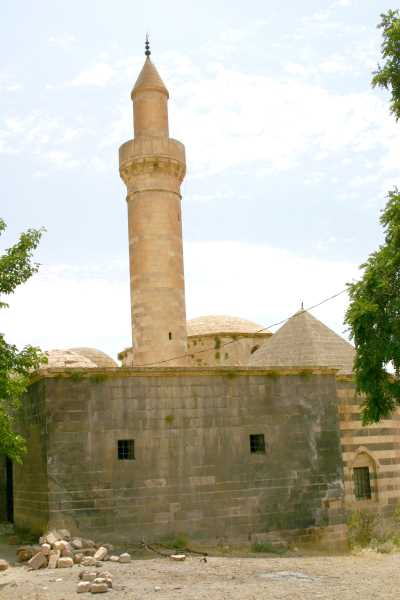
(303,341)
(149,79)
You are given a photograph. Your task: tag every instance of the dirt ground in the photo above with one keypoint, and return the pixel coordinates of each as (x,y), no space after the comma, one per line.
(368,576)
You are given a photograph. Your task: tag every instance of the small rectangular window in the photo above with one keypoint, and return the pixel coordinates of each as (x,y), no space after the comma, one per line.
(126,449)
(257,443)
(362,483)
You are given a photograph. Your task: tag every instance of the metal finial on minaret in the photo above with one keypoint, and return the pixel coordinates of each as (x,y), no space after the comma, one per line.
(302,305)
(147,46)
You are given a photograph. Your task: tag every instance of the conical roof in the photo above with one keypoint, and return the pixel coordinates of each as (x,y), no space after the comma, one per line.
(303,341)
(149,79)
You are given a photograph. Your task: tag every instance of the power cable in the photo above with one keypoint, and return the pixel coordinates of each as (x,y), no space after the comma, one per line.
(191,354)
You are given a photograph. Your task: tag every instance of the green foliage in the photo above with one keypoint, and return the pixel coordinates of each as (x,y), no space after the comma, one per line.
(76,375)
(16,267)
(305,373)
(374,311)
(230,374)
(373,317)
(179,542)
(217,343)
(266,548)
(388,75)
(98,378)
(361,527)
(169,419)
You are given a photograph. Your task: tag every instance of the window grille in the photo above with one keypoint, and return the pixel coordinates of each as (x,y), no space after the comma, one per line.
(126,449)
(257,443)
(362,483)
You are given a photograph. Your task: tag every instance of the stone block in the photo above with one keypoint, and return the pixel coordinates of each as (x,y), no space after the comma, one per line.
(24,553)
(65,562)
(101,553)
(53,559)
(77,544)
(83,586)
(87,575)
(59,545)
(46,549)
(65,534)
(67,550)
(88,561)
(125,558)
(3,565)
(38,561)
(98,588)
(52,537)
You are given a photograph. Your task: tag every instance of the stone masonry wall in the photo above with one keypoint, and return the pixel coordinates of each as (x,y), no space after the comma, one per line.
(375,446)
(216,350)
(30,478)
(193,472)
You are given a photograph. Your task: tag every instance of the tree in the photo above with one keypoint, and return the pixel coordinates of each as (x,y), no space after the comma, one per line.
(388,75)
(16,267)
(374,320)
(373,315)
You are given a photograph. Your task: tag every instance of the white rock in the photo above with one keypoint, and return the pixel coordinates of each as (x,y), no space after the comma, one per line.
(114,558)
(83,586)
(125,558)
(46,549)
(157,588)
(53,559)
(65,534)
(37,561)
(52,537)
(59,545)
(101,553)
(77,543)
(87,575)
(65,562)
(3,565)
(98,588)
(88,561)
(67,550)
(178,556)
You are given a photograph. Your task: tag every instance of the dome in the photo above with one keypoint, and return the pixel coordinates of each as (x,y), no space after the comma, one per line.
(303,341)
(99,358)
(212,324)
(67,359)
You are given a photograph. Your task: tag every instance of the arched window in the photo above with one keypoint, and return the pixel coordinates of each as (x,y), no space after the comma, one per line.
(364,476)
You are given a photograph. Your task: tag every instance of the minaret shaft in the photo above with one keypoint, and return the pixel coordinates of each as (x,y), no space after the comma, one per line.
(153,166)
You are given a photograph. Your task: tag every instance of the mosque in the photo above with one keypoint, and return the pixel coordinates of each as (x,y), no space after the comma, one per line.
(212,428)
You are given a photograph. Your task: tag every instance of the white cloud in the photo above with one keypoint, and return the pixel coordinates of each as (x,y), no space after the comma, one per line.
(65,306)
(42,137)
(63,40)
(99,75)
(262,283)
(230,118)
(343,3)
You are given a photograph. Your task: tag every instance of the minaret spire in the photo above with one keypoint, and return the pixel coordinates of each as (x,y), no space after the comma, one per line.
(153,166)
(147,46)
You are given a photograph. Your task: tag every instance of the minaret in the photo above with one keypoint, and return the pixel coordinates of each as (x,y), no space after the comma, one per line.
(153,166)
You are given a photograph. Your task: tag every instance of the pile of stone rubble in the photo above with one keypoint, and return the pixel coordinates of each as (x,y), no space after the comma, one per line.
(58,549)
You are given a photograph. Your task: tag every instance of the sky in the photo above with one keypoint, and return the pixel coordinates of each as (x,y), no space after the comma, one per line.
(290,155)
